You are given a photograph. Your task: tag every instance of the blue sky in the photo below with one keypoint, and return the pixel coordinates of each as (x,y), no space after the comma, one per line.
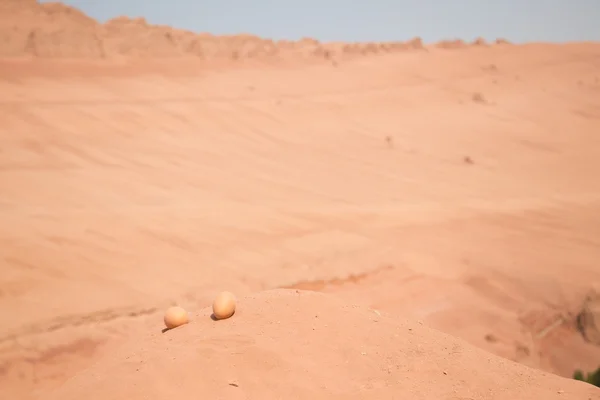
(377,20)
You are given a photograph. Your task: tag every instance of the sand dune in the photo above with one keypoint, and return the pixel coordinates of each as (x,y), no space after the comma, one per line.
(456,184)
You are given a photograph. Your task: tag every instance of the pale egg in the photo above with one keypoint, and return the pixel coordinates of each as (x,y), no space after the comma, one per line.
(224,305)
(175,316)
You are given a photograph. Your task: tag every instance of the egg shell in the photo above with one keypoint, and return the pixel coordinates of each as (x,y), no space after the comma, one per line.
(224,305)
(175,316)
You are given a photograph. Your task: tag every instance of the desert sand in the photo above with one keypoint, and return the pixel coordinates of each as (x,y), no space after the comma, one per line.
(357,198)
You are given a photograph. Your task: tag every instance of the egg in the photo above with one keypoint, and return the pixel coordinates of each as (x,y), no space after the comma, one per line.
(224,305)
(175,316)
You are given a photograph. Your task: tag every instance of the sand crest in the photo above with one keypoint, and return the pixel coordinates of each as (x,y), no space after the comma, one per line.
(302,345)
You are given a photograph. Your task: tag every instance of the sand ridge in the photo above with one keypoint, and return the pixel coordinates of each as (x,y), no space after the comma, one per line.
(54,30)
(455,184)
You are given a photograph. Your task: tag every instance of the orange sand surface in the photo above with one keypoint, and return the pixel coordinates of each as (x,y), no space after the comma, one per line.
(420,188)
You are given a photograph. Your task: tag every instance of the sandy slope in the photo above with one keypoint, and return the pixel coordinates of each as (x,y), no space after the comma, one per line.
(301,345)
(453,184)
